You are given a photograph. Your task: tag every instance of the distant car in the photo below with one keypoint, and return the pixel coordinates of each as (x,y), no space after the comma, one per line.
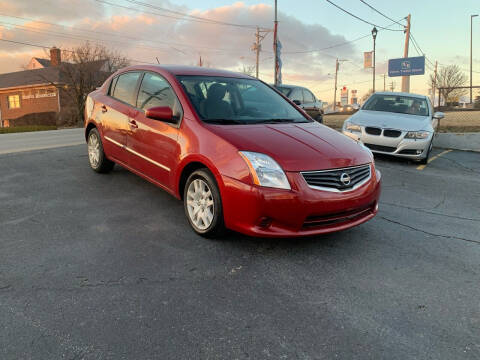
(237,153)
(399,124)
(305,99)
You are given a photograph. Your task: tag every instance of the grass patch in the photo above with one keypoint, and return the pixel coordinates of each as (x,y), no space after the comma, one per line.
(17,129)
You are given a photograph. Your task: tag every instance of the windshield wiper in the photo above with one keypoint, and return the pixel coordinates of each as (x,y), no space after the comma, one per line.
(224,121)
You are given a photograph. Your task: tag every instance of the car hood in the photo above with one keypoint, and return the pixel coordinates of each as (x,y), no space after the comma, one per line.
(390,120)
(296,147)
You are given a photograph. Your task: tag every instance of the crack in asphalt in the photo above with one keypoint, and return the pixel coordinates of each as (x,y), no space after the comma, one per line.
(429,233)
(461,165)
(429,212)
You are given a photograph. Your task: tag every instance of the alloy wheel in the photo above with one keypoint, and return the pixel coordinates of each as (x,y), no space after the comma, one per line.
(200,204)
(94,150)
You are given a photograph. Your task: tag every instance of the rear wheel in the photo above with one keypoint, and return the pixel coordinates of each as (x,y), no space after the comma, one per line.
(203,205)
(319,118)
(96,155)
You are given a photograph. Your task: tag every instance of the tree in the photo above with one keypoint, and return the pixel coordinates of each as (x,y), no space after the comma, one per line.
(367,95)
(248,70)
(83,69)
(449,78)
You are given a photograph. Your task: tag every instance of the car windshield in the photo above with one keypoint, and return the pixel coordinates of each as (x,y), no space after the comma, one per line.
(397,104)
(230,101)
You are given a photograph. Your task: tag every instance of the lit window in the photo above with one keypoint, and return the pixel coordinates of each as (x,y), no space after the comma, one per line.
(14,101)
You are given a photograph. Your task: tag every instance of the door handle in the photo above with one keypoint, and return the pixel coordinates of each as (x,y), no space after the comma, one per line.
(104,109)
(133,123)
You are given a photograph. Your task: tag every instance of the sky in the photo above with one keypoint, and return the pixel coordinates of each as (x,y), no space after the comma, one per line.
(149,31)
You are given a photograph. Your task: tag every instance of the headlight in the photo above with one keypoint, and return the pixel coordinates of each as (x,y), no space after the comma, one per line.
(353,127)
(265,171)
(417,135)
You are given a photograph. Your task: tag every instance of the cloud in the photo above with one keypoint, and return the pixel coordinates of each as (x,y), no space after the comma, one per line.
(144,36)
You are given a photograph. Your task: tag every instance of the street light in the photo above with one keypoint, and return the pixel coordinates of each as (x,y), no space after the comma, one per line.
(374,35)
(471,44)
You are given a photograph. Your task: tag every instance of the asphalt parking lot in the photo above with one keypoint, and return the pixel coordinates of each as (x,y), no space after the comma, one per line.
(105,267)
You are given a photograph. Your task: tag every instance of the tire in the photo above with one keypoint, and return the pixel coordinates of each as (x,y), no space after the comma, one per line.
(319,118)
(424,161)
(96,155)
(203,204)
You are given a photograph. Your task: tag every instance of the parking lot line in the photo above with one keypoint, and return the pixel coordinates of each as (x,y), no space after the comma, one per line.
(421,167)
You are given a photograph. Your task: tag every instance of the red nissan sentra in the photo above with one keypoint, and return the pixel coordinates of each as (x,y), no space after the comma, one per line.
(238,153)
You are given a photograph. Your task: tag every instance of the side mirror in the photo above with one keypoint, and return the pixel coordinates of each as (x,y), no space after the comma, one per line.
(162,113)
(297,102)
(438,115)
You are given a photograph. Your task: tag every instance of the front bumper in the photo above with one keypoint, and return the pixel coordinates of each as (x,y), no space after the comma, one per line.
(302,211)
(415,149)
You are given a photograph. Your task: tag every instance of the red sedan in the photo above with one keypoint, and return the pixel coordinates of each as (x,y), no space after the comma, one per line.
(238,153)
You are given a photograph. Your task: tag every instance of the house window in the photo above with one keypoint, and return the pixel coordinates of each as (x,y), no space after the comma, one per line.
(14,101)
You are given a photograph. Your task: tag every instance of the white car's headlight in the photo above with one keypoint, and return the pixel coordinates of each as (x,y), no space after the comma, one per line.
(265,171)
(352,127)
(417,135)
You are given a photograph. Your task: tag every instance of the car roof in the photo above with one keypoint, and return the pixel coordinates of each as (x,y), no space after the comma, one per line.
(400,94)
(189,70)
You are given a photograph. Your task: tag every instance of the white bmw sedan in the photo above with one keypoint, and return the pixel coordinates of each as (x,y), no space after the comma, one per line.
(399,124)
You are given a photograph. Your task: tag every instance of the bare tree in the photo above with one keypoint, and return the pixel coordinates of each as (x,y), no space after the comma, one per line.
(248,70)
(83,69)
(367,95)
(449,78)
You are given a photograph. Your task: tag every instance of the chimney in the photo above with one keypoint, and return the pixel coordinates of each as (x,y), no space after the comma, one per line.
(55,56)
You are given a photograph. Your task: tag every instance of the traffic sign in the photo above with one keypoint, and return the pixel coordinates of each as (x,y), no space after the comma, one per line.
(406,66)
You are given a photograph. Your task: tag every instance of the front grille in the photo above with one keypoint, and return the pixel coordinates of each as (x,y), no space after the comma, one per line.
(373,130)
(392,133)
(380,147)
(332,179)
(325,220)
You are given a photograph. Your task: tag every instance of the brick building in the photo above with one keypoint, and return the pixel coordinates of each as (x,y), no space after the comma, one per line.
(36,96)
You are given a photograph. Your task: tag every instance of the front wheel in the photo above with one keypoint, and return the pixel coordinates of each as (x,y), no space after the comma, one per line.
(96,155)
(424,161)
(203,204)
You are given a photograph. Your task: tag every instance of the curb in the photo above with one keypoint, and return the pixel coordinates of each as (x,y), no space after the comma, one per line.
(458,141)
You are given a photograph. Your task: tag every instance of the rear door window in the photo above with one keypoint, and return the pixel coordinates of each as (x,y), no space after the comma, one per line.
(126,86)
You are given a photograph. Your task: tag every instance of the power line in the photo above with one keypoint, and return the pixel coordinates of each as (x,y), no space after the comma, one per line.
(185,17)
(116,34)
(71,51)
(379,12)
(136,2)
(359,18)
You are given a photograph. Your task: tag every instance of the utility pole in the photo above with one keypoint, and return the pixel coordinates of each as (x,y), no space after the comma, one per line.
(374,35)
(337,67)
(275,34)
(406,79)
(257,46)
(335,93)
(434,85)
(392,86)
(384,75)
(471,51)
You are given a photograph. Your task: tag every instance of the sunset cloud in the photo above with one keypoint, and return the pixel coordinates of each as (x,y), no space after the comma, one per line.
(145,37)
